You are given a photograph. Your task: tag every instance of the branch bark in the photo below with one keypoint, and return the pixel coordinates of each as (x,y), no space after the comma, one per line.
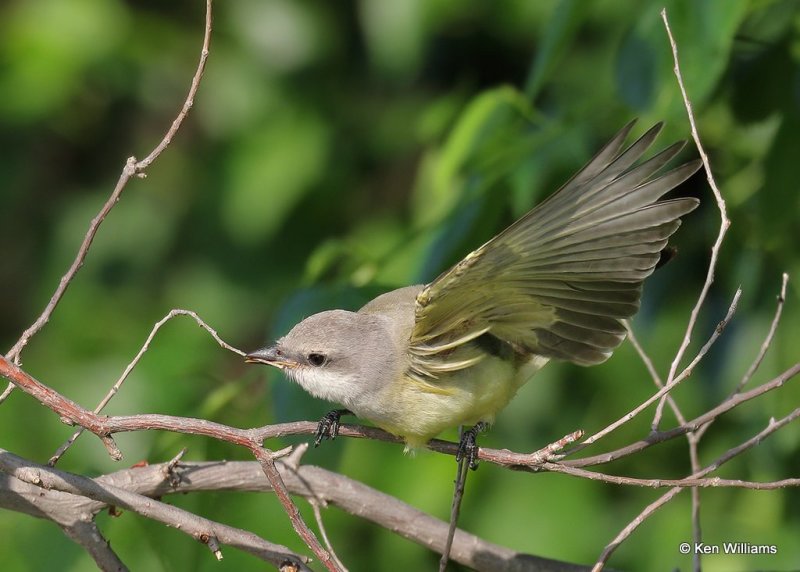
(202,529)
(66,503)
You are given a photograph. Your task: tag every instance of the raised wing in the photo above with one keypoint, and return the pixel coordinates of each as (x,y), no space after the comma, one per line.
(559,281)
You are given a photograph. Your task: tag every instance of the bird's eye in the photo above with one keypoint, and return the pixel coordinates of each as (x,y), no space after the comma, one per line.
(317,360)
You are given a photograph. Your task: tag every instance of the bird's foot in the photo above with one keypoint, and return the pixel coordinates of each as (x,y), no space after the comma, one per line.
(468,445)
(328,426)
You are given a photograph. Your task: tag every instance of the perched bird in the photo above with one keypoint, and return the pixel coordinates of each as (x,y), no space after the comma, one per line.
(556,284)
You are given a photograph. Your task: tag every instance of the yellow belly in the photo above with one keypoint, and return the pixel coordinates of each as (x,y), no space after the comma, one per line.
(419,411)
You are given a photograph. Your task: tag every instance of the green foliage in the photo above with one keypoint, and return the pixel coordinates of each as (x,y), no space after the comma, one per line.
(338,150)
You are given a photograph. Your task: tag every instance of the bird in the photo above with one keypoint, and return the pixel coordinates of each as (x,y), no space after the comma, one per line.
(555,285)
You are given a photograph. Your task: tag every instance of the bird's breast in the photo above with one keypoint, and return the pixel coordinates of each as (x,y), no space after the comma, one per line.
(418,410)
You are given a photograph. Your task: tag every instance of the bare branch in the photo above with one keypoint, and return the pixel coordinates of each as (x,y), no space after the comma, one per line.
(247,437)
(102,425)
(88,536)
(198,527)
(318,485)
(132,168)
(723,211)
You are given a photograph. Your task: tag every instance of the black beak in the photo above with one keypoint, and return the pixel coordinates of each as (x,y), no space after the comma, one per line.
(268,356)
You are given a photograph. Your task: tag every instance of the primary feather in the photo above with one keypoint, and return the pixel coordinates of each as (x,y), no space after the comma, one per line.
(559,281)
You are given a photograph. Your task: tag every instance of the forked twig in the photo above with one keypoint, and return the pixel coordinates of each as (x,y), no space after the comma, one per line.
(129,368)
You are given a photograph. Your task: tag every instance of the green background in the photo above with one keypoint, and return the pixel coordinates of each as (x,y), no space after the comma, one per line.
(340,149)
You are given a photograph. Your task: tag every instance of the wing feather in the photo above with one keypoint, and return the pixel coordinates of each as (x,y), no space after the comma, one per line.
(558,282)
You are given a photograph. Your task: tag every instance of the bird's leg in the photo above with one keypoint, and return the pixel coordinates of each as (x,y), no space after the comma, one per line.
(468,446)
(328,426)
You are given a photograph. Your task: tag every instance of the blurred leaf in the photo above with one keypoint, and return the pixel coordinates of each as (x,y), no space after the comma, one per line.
(394,33)
(489,120)
(271,171)
(558,35)
(47,46)
(636,71)
(760,80)
(779,202)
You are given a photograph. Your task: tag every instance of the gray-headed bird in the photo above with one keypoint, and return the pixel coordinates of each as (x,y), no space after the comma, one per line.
(556,284)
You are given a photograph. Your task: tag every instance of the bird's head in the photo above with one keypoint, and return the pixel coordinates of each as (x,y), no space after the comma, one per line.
(334,355)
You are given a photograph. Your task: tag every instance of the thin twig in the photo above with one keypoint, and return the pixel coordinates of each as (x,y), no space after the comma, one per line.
(315,506)
(188,102)
(688,427)
(768,340)
(129,368)
(651,369)
(686,482)
(626,532)
(723,211)
(455,509)
(762,351)
(127,172)
(132,168)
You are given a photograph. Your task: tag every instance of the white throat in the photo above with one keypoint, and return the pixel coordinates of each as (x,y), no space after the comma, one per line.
(325,384)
